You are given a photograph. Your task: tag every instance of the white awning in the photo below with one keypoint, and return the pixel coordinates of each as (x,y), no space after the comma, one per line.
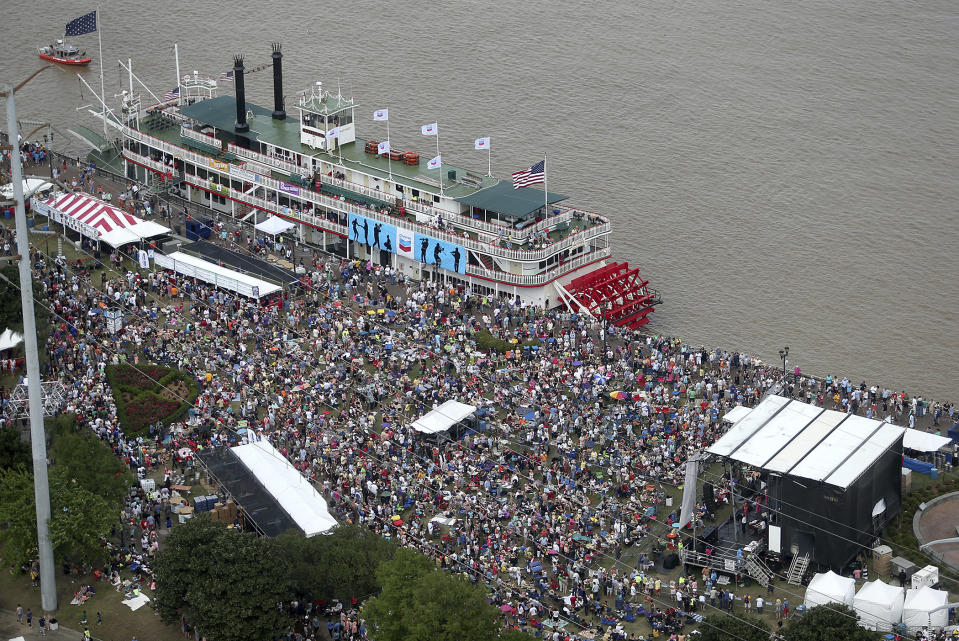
(924,441)
(443,417)
(216,275)
(274,225)
(30,186)
(9,338)
(295,494)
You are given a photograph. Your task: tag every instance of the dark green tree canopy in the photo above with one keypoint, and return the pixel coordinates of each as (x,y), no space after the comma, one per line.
(829,622)
(737,628)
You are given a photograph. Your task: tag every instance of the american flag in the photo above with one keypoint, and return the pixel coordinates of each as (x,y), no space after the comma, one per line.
(86,23)
(227,76)
(532,176)
(170,95)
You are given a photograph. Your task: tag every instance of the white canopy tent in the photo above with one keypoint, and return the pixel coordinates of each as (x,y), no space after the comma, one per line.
(924,441)
(30,186)
(97,219)
(879,605)
(274,225)
(443,417)
(216,275)
(829,587)
(9,338)
(295,494)
(922,608)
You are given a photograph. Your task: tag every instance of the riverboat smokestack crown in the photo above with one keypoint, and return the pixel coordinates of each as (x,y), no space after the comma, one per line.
(279,113)
(241,123)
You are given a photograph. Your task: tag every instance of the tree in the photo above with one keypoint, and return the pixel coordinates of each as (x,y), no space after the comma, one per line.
(341,565)
(18,516)
(13,451)
(89,462)
(225,582)
(79,519)
(829,622)
(740,627)
(420,602)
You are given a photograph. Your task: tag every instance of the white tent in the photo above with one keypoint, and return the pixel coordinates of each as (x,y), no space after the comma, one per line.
(879,605)
(274,225)
(918,609)
(9,338)
(295,494)
(216,275)
(829,587)
(30,186)
(923,441)
(443,417)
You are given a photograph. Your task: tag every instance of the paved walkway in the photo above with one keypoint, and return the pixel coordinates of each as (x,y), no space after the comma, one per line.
(10,629)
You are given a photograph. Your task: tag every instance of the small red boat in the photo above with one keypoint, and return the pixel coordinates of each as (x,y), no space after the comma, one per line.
(65,54)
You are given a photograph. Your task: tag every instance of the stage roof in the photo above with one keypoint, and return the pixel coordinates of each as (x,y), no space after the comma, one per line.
(443,417)
(295,494)
(791,437)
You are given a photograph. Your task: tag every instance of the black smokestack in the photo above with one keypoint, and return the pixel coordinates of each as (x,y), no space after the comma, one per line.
(279,113)
(241,123)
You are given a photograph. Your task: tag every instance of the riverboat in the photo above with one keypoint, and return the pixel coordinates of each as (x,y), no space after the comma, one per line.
(359,199)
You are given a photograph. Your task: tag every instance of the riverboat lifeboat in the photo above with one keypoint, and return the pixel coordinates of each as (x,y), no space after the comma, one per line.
(65,54)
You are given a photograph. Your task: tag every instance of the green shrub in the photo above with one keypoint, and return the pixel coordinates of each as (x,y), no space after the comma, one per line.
(151,399)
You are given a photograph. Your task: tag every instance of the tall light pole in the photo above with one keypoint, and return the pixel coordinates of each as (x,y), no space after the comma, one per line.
(41,484)
(783,353)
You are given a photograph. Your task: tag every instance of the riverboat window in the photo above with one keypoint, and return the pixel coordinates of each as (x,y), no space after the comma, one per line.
(201,173)
(399,188)
(343,118)
(414,193)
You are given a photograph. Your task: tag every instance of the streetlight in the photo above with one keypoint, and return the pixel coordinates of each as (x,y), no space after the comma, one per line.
(41,485)
(783,353)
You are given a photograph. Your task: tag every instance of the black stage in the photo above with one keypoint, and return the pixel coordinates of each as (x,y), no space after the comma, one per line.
(241,262)
(260,506)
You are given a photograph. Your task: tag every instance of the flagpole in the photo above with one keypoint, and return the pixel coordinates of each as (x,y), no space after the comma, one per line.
(176,56)
(389,161)
(545,190)
(438,156)
(489,150)
(102,90)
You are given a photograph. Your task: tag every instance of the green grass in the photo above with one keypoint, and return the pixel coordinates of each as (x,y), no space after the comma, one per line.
(119,622)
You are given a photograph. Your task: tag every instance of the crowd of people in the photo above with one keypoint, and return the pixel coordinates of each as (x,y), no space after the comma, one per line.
(558,501)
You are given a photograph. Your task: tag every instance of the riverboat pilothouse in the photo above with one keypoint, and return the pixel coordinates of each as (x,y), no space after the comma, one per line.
(362,199)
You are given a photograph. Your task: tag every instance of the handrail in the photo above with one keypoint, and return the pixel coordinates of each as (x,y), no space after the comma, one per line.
(148,162)
(263,159)
(545,277)
(186,132)
(489,248)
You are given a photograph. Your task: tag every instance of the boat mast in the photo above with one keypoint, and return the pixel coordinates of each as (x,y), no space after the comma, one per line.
(102,90)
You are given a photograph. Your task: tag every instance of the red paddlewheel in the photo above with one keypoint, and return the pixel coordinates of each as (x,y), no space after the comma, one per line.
(615,293)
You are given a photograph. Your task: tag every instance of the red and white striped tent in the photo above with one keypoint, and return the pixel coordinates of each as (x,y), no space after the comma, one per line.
(97,219)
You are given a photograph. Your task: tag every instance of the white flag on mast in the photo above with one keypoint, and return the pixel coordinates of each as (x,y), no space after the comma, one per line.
(381,114)
(435,163)
(383,147)
(430,130)
(481,143)
(333,133)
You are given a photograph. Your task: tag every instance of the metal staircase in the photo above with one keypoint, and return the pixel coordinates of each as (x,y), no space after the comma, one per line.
(758,570)
(797,569)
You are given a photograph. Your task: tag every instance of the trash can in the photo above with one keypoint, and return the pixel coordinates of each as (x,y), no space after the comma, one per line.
(934,473)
